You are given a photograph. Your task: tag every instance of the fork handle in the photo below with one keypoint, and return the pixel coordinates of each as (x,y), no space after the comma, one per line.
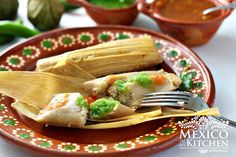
(228,121)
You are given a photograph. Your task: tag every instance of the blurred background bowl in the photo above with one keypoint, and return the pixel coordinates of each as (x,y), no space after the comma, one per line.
(189,33)
(123,16)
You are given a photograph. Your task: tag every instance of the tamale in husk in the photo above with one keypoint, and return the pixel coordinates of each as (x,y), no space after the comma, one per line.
(107,58)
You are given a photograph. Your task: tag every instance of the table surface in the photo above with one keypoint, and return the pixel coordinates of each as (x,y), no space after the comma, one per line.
(219,55)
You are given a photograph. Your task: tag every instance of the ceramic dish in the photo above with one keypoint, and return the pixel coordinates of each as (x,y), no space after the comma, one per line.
(137,140)
(190,33)
(109,16)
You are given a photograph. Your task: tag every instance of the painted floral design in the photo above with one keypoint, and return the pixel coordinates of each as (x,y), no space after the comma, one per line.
(23,133)
(15,61)
(122,146)
(146,139)
(8,121)
(31,52)
(166,129)
(106,36)
(85,38)
(124,35)
(95,148)
(49,44)
(183,64)
(66,40)
(68,147)
(172,54)
(42,142)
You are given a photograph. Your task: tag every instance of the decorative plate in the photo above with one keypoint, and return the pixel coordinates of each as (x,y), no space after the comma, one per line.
(139,140)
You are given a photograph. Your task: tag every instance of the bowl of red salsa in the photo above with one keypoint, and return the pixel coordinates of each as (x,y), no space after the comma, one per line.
(183,19)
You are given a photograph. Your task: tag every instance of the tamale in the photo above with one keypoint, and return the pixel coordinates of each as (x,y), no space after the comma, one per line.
(37,88)
(64,110)
(112,57)
(111,64)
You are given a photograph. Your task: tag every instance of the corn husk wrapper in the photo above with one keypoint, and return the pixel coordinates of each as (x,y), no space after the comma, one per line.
(167,113)
(37,88)
(142,112)
(27,110)
(101,66)
(107,58)
(68,67)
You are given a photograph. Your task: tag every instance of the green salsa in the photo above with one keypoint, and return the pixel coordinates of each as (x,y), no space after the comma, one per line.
(143,79)
(121,86)
(82,102)
(112,4)
(101,107)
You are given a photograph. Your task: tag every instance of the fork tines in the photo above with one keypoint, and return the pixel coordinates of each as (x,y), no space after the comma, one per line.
(173,98)
(178,93)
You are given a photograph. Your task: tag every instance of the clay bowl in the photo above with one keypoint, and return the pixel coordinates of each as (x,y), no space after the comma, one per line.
(124,16)
(189,33)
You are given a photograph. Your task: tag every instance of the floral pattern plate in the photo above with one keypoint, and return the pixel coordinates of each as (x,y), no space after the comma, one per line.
(138,140)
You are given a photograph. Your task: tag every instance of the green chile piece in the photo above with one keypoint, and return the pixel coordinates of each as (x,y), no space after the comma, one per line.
(45,14)
(15,28)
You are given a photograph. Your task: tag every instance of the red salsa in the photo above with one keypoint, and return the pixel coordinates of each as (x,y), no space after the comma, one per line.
(186,10)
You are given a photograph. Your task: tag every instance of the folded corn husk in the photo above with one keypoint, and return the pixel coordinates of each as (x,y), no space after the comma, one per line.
(141,112)
(37,88)
(167,113)
(107,58)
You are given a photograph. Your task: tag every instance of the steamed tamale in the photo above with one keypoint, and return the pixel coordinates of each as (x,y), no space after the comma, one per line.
(112,57)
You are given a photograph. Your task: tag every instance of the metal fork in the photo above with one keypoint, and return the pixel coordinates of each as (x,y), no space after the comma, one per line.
(182,100)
